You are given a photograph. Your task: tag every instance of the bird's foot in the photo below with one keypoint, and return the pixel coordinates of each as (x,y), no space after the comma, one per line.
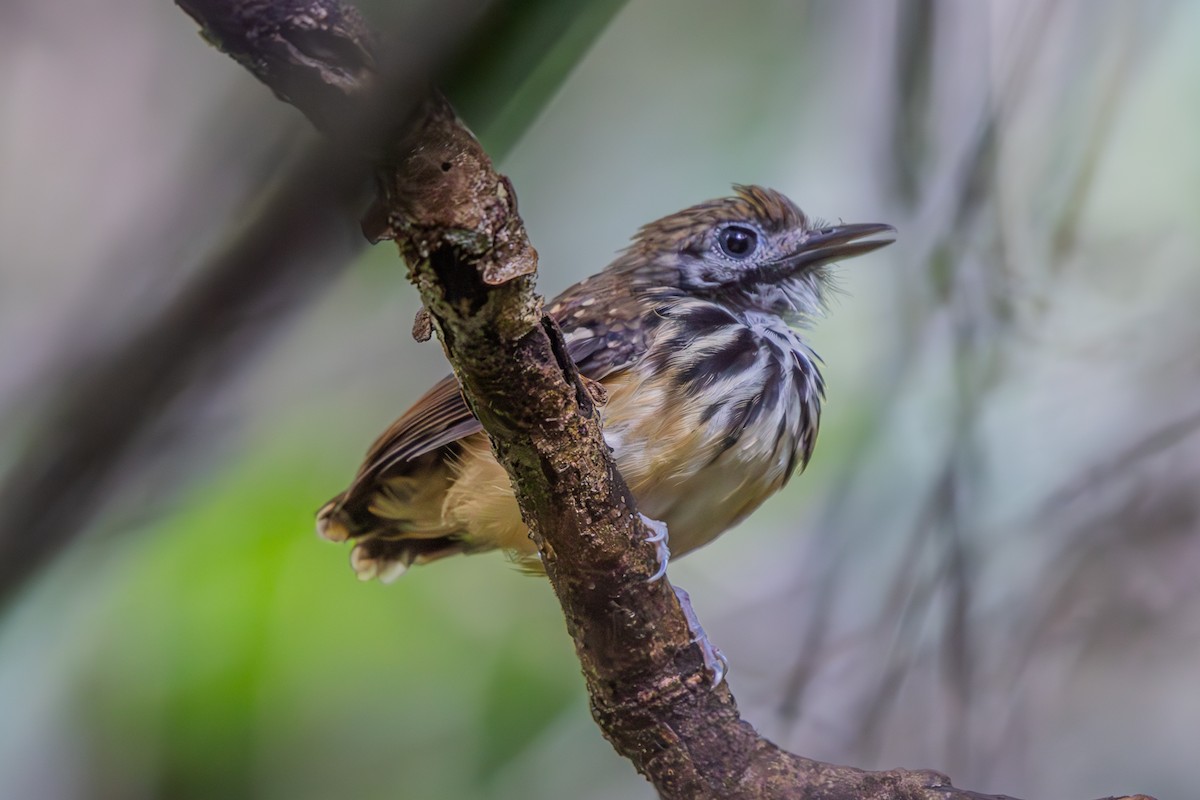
(658,538)
(714,660)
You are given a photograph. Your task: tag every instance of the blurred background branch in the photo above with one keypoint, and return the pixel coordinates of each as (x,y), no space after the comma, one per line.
(300,230)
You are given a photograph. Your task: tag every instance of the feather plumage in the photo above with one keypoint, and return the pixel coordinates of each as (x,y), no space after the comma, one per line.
(714,398)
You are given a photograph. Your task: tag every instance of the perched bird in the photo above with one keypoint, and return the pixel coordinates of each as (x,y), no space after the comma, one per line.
(714,398)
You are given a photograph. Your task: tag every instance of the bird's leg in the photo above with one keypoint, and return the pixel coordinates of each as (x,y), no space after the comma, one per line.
(658,537)
(714,660)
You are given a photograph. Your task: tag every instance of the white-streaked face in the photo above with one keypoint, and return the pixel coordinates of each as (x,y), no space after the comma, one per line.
(755,251)
(785,272)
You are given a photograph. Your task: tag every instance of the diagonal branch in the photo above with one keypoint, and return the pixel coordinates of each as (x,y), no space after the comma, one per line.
(456,224)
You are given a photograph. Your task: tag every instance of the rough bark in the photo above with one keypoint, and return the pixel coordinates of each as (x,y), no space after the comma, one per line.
(456,224)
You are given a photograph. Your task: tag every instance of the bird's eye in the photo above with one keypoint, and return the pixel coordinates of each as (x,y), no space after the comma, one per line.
(737,242)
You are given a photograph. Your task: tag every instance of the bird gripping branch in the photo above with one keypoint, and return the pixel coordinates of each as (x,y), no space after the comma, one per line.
(714,398)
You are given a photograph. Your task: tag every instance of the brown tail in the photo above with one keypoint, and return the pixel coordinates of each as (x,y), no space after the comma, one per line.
(383,548)
(329,521)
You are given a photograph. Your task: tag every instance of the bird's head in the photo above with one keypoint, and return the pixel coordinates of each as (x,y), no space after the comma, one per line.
(755,250)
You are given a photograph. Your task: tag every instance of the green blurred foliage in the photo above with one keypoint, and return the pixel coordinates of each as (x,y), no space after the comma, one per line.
(519,56)
(241,659)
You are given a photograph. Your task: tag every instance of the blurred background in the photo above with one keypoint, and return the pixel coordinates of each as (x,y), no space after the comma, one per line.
(991,568)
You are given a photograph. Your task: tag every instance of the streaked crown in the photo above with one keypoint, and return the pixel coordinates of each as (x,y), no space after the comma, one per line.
(756,250)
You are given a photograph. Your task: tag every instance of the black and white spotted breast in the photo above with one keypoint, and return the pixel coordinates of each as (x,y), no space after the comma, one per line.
(750,377)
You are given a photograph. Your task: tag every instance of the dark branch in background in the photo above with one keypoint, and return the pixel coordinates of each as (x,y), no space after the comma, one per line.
(1100,129)
(966,289)
(911,95)
(1152,444)
(454,219)
(290,249)
(942,256)
(936,573)
(299,235)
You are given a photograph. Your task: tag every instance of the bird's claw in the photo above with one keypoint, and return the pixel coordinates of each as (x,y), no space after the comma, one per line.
(714,660)
(658,538)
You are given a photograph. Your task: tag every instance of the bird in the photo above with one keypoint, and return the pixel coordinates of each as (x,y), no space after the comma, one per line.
(696,332)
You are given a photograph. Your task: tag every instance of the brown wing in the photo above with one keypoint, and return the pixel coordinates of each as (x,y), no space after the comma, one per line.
(394,508)
(442,417)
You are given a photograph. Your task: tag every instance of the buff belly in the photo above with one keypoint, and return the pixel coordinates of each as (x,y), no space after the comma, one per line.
(681,467)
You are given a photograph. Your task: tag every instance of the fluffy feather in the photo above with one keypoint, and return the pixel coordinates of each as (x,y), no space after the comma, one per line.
(714,398)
